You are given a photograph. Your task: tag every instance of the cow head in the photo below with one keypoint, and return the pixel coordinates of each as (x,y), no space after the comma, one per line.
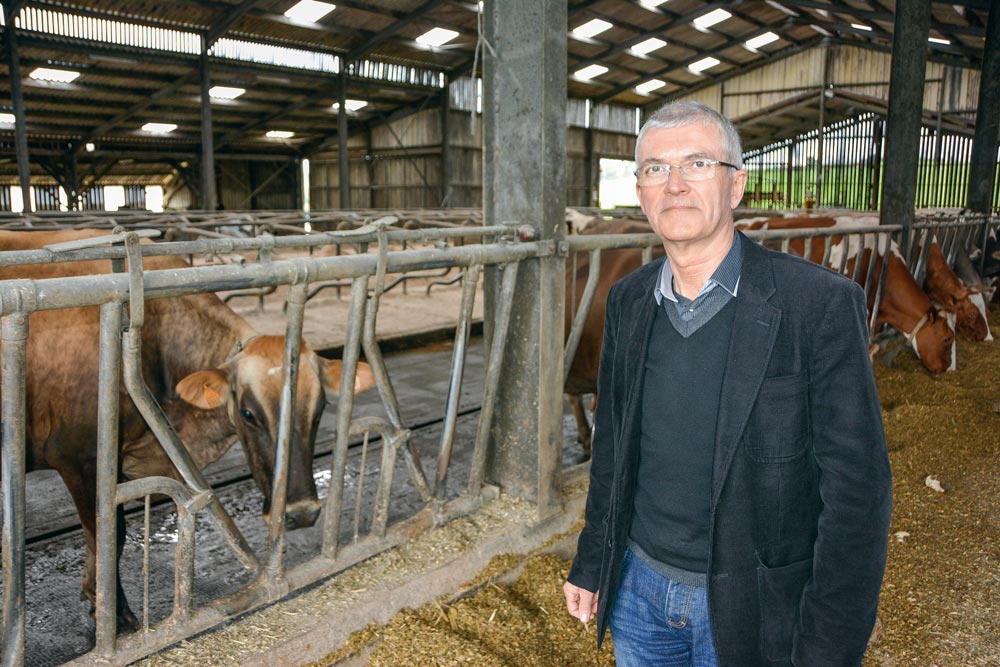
(934,342)
(248,385)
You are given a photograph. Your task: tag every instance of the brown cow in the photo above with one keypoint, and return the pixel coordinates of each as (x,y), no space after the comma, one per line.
(946,289)
(214,377)
(615,264)
(904,305)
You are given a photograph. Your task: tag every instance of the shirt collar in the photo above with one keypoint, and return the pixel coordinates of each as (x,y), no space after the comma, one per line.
(726,275)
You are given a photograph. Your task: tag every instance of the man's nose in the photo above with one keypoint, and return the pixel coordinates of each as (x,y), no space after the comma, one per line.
(675,182)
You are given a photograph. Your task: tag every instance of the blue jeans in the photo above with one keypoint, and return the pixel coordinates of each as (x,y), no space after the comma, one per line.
(659,622)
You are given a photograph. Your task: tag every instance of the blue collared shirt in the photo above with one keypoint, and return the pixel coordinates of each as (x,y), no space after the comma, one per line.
(688,315)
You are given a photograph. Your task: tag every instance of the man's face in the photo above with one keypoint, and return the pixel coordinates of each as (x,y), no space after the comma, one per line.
(682,211)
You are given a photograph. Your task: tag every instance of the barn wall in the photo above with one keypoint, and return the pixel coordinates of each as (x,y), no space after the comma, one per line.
(257,184)
(399,165)
(852,69)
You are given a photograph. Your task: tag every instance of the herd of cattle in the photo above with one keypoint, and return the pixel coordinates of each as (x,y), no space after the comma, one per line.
(951,300)
(218,381)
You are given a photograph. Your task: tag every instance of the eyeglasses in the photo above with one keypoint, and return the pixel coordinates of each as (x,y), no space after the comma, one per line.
(698,169)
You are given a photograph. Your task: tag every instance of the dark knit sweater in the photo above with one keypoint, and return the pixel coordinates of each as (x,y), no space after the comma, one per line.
(680,404)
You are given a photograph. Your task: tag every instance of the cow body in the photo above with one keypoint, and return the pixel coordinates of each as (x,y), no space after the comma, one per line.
(615,265)
(215,378)
(904,306)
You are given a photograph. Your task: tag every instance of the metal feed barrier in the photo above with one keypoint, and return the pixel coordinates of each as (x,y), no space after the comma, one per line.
(498,248)
(119,358)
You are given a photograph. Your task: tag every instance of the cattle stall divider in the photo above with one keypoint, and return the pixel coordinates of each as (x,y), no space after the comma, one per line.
(501,246)
(119,346)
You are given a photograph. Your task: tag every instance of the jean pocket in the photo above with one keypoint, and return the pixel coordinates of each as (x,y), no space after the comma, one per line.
(780,594)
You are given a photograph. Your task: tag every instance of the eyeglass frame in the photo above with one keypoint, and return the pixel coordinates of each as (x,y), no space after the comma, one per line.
(680,169)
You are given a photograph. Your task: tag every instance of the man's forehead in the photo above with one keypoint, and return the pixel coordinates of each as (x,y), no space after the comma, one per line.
(683,142)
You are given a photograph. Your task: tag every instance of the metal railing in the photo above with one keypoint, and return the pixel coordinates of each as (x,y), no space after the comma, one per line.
(119,358)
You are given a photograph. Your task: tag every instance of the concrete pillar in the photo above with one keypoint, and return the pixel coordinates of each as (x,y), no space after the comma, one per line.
(447,173)
(906,103)
(208,191)
(524,181)
(984,142)
(17,99)
(343,163)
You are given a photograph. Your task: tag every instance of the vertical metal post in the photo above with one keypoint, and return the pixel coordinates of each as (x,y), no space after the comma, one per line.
(106,553)
(822,122)
(982,175)
(906,92)
(447,173)
(13,462)
(208,193)
(345,404)
(290,376)
(343,164)
(17,100)
(524,164)
(469,283)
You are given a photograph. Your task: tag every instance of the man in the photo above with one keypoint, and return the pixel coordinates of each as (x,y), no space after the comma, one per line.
(740,488)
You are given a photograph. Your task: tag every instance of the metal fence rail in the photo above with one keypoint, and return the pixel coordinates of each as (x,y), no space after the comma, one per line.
(119,357)
(501,249)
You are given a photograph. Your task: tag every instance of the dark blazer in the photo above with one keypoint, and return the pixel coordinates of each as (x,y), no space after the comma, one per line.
(801,486)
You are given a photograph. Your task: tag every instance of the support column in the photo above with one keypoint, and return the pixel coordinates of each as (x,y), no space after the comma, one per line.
(984,142)
(589,169)
(447,173)
(524,181)
(906,103)
(208,191)
(343,163)
(17,99)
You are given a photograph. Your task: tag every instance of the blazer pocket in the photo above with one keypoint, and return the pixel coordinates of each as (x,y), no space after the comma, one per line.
(780,594)
(778,428)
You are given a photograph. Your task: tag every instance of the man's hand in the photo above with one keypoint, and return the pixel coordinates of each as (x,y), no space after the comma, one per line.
(581,604)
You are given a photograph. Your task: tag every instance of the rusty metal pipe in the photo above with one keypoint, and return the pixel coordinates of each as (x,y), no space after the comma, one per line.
(13,462)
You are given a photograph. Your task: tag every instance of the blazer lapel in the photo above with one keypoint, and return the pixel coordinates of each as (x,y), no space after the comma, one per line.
(755,328)
(640,311)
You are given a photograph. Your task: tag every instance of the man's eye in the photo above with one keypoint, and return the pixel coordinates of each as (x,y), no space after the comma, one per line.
(699,164)
(654,169)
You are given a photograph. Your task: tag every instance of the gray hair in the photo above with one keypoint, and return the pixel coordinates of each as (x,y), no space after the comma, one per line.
(677,114)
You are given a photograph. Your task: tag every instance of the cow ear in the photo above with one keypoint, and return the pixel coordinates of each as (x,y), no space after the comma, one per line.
(205,389)
(364,378)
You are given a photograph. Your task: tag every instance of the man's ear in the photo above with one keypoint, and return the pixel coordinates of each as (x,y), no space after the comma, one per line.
(739,184)
(205,389)
(364,378)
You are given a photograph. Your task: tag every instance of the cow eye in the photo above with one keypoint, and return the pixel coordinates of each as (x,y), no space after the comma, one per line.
(249,417)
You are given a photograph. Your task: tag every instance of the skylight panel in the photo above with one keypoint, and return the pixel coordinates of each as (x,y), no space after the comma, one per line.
(159,128)
(761,40)
(350,105)
(279,134)
(591,28)
(225,92)
(938,40)
(49,74)
(649,86)
(590,71)
(6,119)
(648,46)
(652,3)
(89,146)
(712,18)
(436,37)
(861,26)
(703,64)
(309,11)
